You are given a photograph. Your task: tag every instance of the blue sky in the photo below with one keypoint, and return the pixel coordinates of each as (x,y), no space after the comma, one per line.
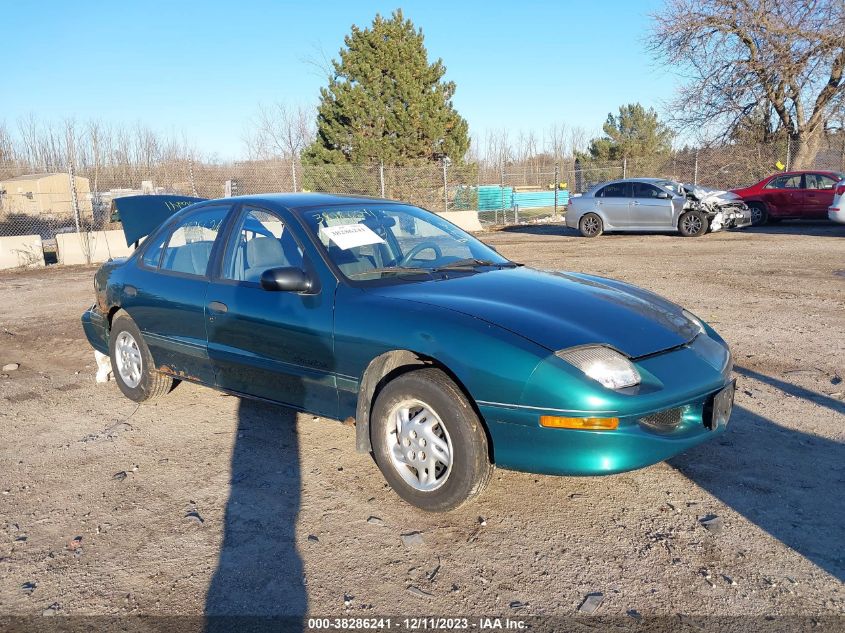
(203,67)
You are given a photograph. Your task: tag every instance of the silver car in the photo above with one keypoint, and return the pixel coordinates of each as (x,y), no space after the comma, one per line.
(836,211)
(655,204)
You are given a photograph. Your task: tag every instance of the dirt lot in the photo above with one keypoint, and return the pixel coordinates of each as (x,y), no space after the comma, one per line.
(202,503)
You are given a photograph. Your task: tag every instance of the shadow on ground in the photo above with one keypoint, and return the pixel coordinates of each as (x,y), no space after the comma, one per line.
(789,483)
(541,229)
(816,228)
(794,390)
(258,584)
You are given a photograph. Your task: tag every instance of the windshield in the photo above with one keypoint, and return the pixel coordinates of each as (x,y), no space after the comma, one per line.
(376,241)
(673,186)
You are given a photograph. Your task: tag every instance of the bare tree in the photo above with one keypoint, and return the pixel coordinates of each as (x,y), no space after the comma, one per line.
(555,140)
(744,55)
(579,140)
(281,131)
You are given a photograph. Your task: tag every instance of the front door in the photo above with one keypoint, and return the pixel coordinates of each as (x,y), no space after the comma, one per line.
(270,344)
(166,294)
(818,195)
(648,210)
(784,196)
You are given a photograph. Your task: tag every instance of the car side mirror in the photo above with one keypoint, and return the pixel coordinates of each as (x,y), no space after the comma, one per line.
(664,195)
(285,279)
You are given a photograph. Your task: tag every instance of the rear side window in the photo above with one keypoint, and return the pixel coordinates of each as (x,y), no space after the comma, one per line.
(615,190)
(152,254)
(189,247)
(819,181)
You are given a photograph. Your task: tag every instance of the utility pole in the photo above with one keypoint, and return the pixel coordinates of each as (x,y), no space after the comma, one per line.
(381,177)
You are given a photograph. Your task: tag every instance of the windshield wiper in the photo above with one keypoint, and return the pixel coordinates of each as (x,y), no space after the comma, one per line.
(473,262)
(393,269)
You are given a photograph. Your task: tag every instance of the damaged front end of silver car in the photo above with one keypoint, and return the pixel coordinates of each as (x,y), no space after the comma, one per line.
(724,209)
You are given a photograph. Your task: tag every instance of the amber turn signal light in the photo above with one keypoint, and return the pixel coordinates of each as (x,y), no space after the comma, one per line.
(585,424)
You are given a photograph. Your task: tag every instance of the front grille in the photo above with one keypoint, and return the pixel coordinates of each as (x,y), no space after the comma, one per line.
(663,421)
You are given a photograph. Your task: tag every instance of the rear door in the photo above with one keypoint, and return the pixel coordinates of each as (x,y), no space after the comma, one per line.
(614,201)
(784,196)
(166,295)
(648,210)
(818,195)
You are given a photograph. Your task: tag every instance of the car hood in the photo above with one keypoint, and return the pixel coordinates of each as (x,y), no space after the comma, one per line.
(559,310)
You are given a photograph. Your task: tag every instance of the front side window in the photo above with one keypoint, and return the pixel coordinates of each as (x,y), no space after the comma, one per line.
(645,190)
(785,182)
(615,190)
(189,247)
(261,241)
(385,240)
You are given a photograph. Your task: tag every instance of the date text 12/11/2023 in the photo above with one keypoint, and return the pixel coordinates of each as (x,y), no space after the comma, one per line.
(421,623)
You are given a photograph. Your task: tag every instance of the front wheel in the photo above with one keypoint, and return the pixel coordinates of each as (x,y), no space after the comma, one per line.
(759,215)
(693,224)
(591,225)
(428,441)
(132,363)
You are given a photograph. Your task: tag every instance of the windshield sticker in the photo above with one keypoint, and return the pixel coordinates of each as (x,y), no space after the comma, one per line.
(348,236)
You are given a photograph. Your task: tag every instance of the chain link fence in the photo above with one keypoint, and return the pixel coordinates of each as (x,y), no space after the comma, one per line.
(536,190)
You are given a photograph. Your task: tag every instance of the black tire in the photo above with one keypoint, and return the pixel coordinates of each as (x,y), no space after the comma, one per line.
(693,224)
(151,384)
(759,215)
(470,469)
(590,225)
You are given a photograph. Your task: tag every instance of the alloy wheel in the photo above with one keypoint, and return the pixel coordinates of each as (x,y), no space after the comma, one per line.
(591,226)
(692,224)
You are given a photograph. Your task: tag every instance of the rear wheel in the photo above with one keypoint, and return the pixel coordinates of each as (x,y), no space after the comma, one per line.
(693,224)
(428,441)
(132,364)
(590,225)
(759,215)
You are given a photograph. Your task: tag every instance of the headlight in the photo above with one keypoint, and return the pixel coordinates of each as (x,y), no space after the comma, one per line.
(603,364)
(695,320)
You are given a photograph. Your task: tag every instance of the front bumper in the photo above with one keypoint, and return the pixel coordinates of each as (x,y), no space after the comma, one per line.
(685,378)
(731,218)
(96,328)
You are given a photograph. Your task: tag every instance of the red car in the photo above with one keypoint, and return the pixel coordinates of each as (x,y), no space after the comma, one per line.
(793,194)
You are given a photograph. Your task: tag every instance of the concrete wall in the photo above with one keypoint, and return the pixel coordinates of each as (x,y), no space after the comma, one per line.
(21,250)
(467,220)
(73,247)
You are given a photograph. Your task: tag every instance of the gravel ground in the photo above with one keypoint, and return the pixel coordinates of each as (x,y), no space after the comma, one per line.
(203,503)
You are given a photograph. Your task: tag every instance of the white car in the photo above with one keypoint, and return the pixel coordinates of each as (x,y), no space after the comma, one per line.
(836,211)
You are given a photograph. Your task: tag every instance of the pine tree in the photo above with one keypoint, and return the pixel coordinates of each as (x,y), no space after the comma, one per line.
(635,133)
(386,103)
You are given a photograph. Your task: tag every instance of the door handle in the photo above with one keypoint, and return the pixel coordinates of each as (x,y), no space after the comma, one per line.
(634,203)
(218,307)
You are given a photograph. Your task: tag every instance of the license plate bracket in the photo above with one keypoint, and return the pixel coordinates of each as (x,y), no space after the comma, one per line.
(719,407)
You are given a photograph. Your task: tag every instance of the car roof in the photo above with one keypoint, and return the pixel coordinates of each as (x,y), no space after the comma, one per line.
(297,201)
